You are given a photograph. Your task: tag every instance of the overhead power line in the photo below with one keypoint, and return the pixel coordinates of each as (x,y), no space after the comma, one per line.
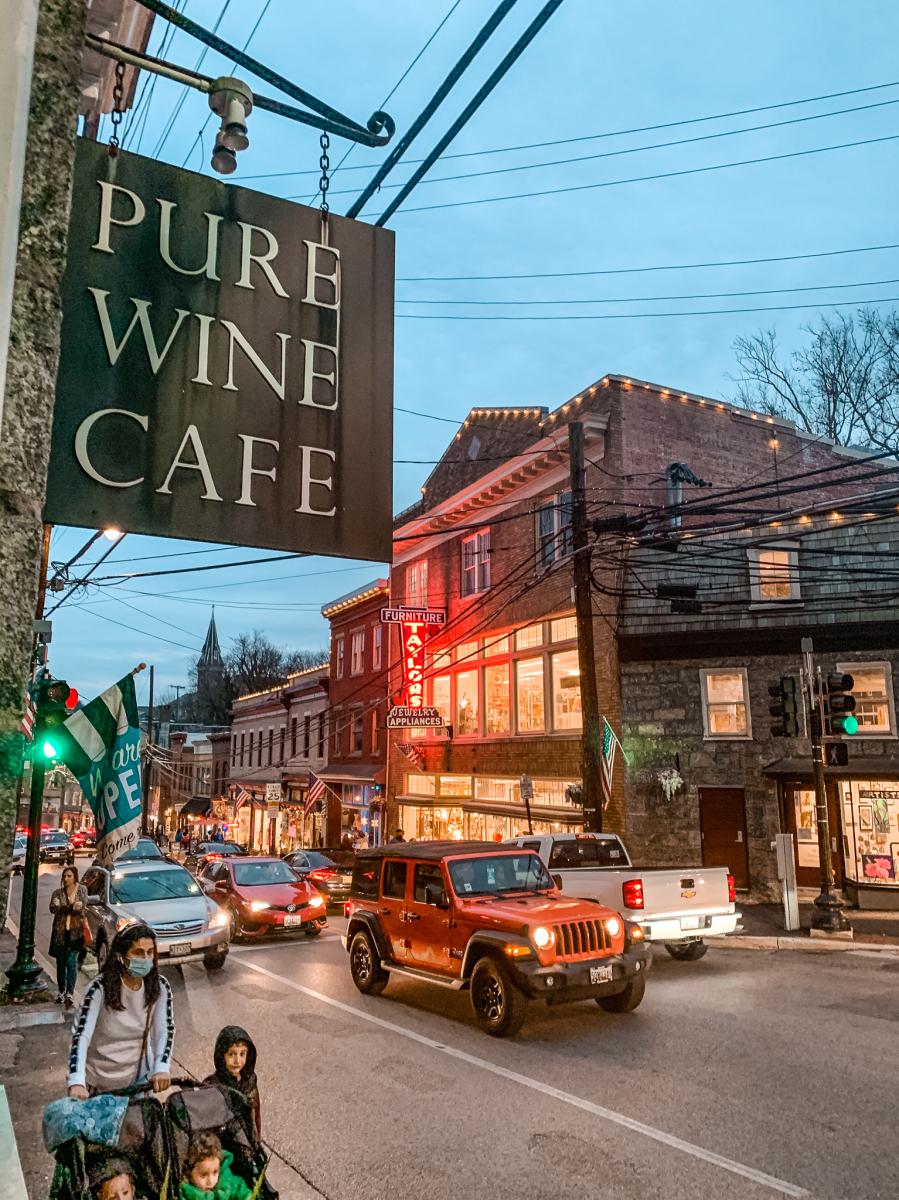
(586,187)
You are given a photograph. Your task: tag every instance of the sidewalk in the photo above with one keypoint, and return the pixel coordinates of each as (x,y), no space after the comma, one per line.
(763,929)
(34,1043)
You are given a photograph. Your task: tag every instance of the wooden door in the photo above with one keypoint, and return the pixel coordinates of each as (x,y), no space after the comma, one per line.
(801,820)
(722,823)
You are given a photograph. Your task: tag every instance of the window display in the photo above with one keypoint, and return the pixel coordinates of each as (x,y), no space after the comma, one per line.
(871,826)
(529,695)
(467,709)
(806,827)
(497,699)
(566,691)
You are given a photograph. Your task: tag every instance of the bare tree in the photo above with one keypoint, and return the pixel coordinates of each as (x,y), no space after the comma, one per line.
(253,663)
(302,660)
(843,384)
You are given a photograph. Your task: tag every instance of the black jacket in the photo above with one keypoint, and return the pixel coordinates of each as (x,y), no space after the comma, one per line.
(247,1083)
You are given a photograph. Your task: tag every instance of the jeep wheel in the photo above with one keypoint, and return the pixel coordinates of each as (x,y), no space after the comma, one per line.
(365,967)
(215,962)
(498,1004)
(627,1000)
(686,951)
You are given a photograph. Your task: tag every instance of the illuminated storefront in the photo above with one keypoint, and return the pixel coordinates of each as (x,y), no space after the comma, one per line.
(484,808)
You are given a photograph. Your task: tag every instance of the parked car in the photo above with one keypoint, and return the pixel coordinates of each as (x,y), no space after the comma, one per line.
(90,837)
(205,852)
(262,895)
(679,907)
(19,850)
(489,919)
(56,847)
(78,839)
(189,927)
(331,880)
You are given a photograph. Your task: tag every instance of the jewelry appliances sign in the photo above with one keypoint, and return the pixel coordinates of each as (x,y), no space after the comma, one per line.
(226,369)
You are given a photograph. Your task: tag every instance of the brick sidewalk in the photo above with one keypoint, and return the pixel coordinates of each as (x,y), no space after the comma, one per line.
(767,920)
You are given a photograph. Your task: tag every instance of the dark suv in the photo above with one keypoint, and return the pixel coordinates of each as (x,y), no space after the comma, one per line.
(489,919)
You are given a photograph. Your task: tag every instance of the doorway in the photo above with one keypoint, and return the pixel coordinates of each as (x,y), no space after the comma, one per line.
(722,825)
(802,821)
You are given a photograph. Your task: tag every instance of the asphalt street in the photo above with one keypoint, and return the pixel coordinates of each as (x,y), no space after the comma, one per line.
(748,1074)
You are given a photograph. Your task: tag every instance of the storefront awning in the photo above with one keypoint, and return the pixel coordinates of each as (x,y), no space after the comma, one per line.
(197,806)
(354,773)
(860,766)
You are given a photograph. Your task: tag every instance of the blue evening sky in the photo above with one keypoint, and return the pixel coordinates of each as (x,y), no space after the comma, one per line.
(596,68)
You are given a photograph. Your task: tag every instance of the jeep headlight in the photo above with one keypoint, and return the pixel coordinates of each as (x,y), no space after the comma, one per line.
(613,927)
(543,937)
(258,905)
(315,902)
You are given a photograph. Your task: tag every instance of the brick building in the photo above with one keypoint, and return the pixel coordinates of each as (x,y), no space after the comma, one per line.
(189,785)
(277,737)
(357,752)
(489,543)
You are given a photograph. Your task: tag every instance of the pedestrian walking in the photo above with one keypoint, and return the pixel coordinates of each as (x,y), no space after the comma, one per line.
(125,1029)
(397,837)
(67,941)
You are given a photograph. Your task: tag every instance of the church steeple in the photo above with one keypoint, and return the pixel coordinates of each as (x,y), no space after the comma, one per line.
(210,661)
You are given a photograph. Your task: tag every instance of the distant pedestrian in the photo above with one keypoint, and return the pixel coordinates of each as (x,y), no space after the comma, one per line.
(124,1032)
(235,1067)
(397,837)
(68,904)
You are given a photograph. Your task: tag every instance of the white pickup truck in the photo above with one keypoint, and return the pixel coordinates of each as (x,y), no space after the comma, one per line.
(681,907)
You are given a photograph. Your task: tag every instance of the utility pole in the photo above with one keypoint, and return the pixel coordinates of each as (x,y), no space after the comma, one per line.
(591,740)
(148,765)
(827,914)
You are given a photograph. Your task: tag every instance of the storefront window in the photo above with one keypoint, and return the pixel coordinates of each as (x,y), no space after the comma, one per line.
(871,818)
(529,695)
(466,652)
(421,785)
(455,785)
(497,699)
(566,691)
(526,638)
(497,791)
(806,828)
(551,792)
(564,629)
(495,645)
(467,709)
(441,696)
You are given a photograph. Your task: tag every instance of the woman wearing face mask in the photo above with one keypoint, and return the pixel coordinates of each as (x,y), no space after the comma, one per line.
(125,1029)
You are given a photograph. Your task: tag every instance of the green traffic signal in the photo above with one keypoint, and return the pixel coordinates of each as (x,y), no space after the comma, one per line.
(48,750)
(850,723)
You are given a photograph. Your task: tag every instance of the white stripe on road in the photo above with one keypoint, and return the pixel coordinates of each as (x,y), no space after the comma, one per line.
(597,1110)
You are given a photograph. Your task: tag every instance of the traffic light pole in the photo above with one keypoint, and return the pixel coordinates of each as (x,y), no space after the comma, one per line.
(591,740)
(827,914)
(25,973)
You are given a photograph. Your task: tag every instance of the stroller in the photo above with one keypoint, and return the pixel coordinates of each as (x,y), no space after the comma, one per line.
(151,1137)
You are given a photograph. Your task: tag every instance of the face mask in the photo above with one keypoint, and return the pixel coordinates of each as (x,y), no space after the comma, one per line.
(138,968)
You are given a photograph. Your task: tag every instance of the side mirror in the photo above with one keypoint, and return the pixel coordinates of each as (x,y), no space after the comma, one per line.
(93,901)
(557,880)
(437,897)
(222,887)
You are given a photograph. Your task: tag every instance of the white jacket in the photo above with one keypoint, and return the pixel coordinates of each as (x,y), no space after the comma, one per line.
(106,1043)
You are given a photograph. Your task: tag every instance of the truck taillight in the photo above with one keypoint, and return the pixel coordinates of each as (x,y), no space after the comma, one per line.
(347,910)
(632,893)
(731,889)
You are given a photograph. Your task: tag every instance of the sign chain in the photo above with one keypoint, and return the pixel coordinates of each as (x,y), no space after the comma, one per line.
(118,93)
(324,162)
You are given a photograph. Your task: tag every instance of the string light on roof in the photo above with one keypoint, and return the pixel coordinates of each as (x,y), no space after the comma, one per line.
(835,516)
(805,520)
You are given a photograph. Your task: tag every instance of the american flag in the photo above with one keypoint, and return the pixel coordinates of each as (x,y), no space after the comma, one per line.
(28,717)
(315,793)
(609,746)
(243,797)
(411,752)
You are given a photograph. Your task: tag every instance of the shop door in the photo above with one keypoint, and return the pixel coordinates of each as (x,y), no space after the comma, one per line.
(428,924)
(392,908)
(722,823)
(802,822)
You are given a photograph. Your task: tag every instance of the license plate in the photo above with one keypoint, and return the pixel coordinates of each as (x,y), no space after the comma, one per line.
(293,919)
(179,949)
(601,974)
(346,880)
(690,922)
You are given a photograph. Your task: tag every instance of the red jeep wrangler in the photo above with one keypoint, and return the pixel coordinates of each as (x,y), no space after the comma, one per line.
(488,918)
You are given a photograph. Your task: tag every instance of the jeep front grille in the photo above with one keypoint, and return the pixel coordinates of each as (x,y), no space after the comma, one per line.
(580,939)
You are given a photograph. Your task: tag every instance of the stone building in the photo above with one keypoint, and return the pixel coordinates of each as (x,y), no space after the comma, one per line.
(490,544)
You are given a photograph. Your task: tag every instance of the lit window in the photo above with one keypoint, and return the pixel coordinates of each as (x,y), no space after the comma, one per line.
(774,574)
(873,691)
(724,703)
(417,584)
(566,691)
(526,638)
(529,700)
(495,645)
(357,652)
(467,651)
(553,531)
(455,785)
(377,634)
(564,629)
(476,563)
(441,696)
(357,733)
(338,658)
(442,660)
(497,699)
(421,785)
(466,703)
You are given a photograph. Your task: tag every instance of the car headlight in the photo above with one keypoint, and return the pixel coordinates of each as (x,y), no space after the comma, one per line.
(258,905)
(613,927)
(316,902)
(543,937)
(218,919)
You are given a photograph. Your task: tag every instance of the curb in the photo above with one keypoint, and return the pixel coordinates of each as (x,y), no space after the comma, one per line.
(808,945)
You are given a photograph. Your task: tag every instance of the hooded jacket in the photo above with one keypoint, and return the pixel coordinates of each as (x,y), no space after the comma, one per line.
(246,1084)
(229,1186)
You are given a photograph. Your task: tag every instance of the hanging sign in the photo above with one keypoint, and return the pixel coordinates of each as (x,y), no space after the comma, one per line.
(424,616)
(403,717)
(226,370)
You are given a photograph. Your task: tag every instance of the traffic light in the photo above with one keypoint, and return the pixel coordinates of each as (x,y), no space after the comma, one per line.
(784,714)
(839,705)
(55,701)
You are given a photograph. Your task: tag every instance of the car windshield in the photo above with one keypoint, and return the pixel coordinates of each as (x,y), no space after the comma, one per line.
(56,838)
(143,848)
(254,874)
(585,851)
(138,887)
(220,848)
(19,843)
(492,874)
